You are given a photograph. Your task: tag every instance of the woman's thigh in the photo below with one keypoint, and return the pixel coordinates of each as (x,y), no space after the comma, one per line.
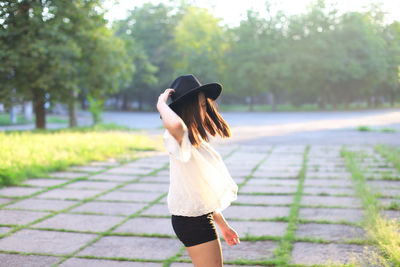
(206,254)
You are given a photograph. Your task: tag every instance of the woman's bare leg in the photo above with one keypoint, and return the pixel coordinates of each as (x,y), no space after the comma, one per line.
(207,254)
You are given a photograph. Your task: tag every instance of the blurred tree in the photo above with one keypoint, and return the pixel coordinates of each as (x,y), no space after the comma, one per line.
(58,48)
(390,86)
(200,44)
(365,62)
(257,60)
(148,33)
(36,49)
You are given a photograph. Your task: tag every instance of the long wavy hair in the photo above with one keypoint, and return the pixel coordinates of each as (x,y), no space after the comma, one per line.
(213,123)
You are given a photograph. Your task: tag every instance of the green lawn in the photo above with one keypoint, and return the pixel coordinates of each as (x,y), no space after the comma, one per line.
(35,153)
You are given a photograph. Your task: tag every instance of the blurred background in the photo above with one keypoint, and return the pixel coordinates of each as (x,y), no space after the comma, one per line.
(71,62)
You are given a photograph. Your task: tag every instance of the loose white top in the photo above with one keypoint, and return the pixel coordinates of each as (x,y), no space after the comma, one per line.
(199,180)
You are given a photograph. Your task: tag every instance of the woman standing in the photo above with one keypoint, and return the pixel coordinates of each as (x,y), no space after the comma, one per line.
(200,184)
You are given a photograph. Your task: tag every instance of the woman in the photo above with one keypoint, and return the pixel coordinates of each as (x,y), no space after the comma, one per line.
(200,184)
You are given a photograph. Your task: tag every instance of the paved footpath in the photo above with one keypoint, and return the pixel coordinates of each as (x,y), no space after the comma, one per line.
(106,214)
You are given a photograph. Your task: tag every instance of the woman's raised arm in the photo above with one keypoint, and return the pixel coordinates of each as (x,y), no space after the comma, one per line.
(171,120)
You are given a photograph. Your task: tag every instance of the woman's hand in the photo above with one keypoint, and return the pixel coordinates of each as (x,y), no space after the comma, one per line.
(230,236)
(164,96)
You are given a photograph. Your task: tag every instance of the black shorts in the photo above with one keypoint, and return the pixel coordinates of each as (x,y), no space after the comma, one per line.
(192,231)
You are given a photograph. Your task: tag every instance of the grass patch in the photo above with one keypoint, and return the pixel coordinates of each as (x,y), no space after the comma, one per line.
(35,153)
(385,233)
(364,128)
(5,120)
(282,253)
(391,154)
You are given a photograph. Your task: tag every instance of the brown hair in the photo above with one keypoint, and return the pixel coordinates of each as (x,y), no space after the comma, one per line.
(189,111)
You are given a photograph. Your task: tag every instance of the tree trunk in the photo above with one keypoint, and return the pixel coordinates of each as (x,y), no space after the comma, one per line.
(324,98)
(82,100)
(391,98)
(38,107)
(347,99)
(72,111)
(116,106)
(273,101)
(251,103)
(368,101)
(124,101)
(140,101)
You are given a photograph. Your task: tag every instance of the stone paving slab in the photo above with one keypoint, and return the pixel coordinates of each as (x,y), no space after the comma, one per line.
(61,193)
(385,201)
(313,253)
(44,182)
(387,192)
(281,182)
(311,173)
(328,190)
(68,175)
(150,187)
(113,177)
(157,210)
(349,202)
(383,184)
(155,179)
(39,241)
(79,222)
(129,171)
(257,251)
(16,191)
(86,168)
(140,225)
(267,174)
(91,185)
(110,208)
(327,182)
(81,262)
(331,232)
(391,214)
(331,214)
(16,260)
(267,200)
(325,168)
(130,196)
(255,212)
(268,189)
(42,204)
(133,247)
(5,200)
(4,229)
(256,229)
(238,168)
(163,173)
(20,217)
(144,165)
(104,163)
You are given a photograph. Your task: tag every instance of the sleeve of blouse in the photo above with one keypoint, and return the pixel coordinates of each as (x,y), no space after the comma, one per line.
(180,152)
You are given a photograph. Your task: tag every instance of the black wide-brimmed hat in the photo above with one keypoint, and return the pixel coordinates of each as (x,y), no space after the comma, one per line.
(187,85)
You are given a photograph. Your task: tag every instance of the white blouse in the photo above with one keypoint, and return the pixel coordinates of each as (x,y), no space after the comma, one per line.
(199,180)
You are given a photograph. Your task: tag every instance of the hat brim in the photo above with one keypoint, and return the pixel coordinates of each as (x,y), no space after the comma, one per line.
(211,90)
